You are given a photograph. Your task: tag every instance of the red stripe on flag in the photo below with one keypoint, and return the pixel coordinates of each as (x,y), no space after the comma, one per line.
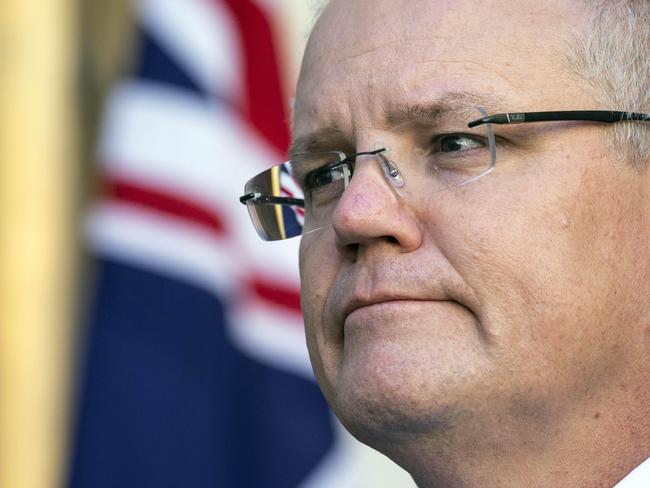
(265,104)
(270,291)
(164,202)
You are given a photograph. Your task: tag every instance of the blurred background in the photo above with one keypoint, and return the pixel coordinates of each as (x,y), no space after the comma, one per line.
(148,338)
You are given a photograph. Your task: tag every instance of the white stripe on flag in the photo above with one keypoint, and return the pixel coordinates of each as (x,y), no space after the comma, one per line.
(163,245)
(173,140)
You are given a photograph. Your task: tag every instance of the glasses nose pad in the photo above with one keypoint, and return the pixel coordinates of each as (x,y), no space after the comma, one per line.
(391,171)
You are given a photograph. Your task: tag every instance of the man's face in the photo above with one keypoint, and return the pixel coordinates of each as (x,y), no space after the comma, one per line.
(511,297)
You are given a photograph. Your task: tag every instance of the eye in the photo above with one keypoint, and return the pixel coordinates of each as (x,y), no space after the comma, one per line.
(460,154)
(450,143)
(322,177)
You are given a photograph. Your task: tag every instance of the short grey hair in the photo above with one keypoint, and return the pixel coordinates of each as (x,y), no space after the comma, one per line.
(612,56)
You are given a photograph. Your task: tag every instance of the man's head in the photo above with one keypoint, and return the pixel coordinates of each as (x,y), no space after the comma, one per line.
(514,305)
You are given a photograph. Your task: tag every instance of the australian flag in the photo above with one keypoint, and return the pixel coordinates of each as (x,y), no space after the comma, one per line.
(196,372)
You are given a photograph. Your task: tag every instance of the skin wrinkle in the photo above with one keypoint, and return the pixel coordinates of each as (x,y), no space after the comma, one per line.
(355,55)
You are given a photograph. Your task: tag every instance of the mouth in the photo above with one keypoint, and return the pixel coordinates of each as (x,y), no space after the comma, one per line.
(360,311)
(383,302)
(393,317)
(371,302)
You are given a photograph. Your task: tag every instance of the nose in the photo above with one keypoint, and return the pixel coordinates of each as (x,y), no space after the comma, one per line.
(370,211)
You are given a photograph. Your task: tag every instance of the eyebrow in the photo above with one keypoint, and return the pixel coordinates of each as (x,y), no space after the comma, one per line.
(460,103)
(325,139)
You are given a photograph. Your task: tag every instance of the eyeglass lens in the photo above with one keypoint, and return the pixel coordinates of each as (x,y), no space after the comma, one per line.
(416,157)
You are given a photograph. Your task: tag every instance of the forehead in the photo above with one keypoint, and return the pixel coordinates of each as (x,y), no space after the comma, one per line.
(365,55)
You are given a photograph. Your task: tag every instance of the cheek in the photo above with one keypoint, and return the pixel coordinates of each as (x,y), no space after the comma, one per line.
(313,289)
(513,245)
(500,254)
(611,231)
(549,268)
(318,268)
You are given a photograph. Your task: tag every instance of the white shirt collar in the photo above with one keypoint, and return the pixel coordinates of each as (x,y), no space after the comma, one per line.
(638,478)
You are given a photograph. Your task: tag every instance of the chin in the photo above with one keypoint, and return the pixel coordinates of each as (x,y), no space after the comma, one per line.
(380,408)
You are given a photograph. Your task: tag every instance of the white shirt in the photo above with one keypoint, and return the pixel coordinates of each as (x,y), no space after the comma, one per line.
(638,478)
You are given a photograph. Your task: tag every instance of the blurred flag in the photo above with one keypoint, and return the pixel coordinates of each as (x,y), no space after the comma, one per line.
(196,370)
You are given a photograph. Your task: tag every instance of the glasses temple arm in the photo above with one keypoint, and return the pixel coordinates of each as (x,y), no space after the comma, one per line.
(258,198)
(607,116)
